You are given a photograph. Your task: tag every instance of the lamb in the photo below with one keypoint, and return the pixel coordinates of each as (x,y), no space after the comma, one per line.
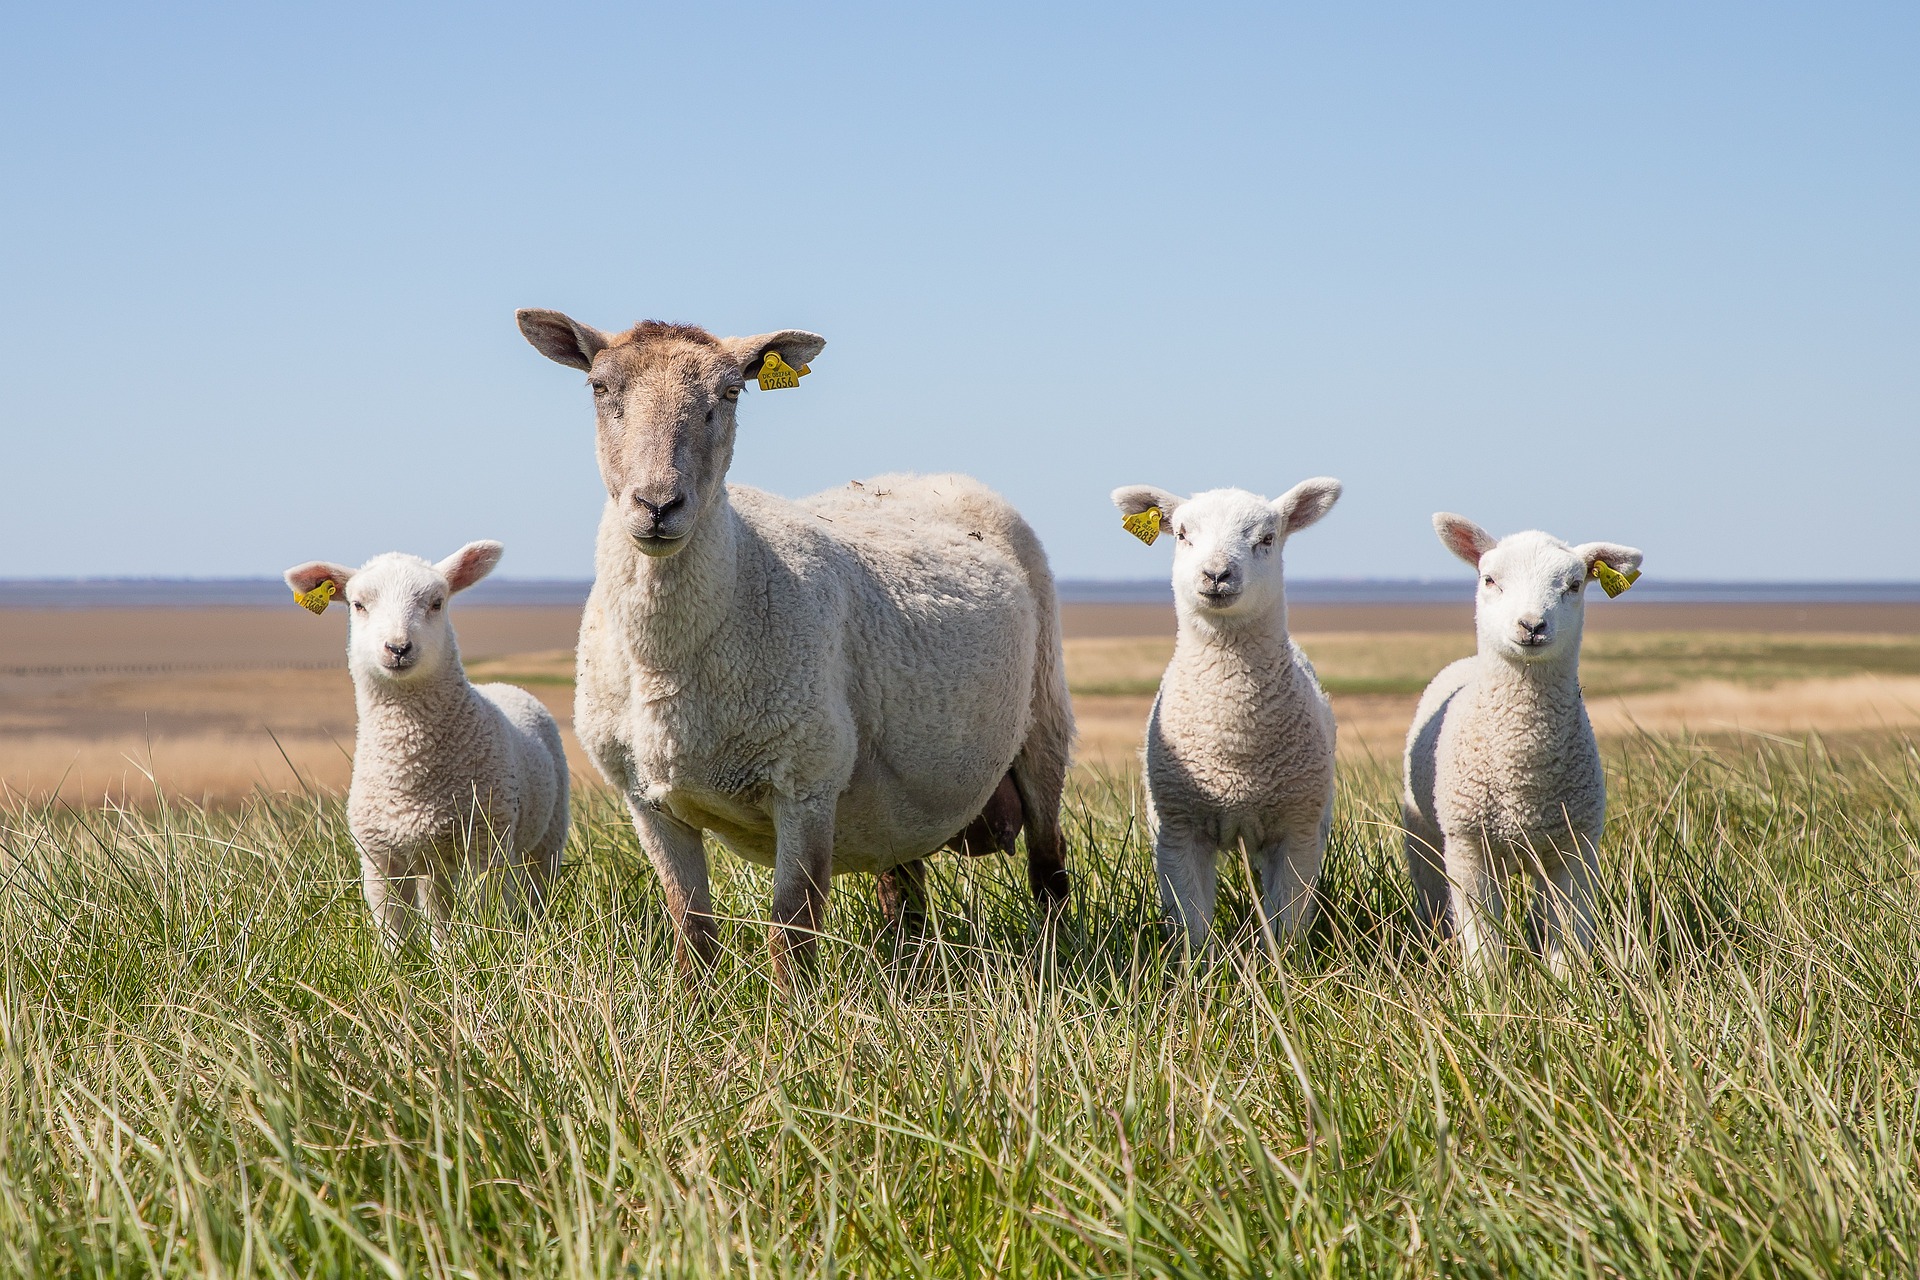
(1502,772)
(1239,749)
(836,684)
(450,779)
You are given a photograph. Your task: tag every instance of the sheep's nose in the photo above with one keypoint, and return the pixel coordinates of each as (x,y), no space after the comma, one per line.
(1534,629)
(400,649)
(658,506)
(1218,577)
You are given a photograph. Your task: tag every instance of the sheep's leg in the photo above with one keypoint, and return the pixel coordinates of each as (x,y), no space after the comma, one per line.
(1478,904)
(1040,775)
(393,911)
(679,858)
(1289,873)
(1189,881)
(1563,911)
(802,873)
(902,891)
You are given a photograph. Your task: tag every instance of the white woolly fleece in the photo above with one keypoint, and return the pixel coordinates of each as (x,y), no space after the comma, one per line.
(450,780)
(1502,772)
(1240,742)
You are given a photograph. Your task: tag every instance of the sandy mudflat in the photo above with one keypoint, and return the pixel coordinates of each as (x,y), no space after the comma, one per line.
(214,702)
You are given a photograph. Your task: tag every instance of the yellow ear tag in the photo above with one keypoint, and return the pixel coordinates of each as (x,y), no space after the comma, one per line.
(776,373)
(1144,525)
(316,600)
(1612,581)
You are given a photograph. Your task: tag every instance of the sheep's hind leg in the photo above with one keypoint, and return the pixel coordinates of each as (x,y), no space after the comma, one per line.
(1427,866)
(802,875)
(680,860)
(1040,776)
(902,892)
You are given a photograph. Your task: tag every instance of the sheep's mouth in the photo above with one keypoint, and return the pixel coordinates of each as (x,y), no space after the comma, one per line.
(1215,596)
(400,664)
(654,544)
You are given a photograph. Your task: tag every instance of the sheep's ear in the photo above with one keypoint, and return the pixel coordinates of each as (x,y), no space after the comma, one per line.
(1619,558)
(1463,537)
(1132,499)
(1306,502)
(797,347)
(561,337)
(470,564)
(305,577)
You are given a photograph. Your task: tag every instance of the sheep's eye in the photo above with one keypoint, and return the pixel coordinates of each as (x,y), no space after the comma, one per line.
(1180,535)
(1488,580)
(1265,542)
(435,606)
(732,392)
(358,607)
(599,388)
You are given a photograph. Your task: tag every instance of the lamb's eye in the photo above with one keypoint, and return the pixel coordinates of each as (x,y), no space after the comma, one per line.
(435,606)
(1265,542)
(1488,580)
(1180,535)
(358,607)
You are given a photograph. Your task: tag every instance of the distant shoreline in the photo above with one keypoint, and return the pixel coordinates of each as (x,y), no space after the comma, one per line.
(124,593)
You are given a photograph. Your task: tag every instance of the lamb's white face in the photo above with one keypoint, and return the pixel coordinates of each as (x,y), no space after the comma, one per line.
(1226,553)
(399,627)
(1532,597)
(1227,542)
(1532,601)
(397,605)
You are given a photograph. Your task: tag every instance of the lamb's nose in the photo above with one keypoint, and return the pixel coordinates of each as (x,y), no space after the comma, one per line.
(1218,577)
(400,650)
(1534,630)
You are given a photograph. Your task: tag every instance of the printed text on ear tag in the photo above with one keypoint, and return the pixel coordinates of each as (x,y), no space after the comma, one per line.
(1612,581)
(1144,525)
(776,373)
(316,600)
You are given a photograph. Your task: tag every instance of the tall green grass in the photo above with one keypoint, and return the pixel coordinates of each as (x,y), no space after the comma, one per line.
(209,1066)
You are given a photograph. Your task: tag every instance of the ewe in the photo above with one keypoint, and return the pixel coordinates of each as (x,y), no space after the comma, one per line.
(449,778)
(1239,747)
(836,684)
(1502,773)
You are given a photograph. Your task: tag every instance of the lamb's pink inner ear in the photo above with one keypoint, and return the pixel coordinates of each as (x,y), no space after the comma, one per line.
(470,564)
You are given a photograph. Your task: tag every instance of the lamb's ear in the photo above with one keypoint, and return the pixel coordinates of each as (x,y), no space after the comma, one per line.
(797,348)
(1306,502)
(305,577)
(560,337)
(1621,559)
(1463,537)
(1132,499)
(470,564)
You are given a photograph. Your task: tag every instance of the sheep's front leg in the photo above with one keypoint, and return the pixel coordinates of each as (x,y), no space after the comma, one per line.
(1189,881)
(1478,904)
(802,873)
(390,898)
(679,858)
(1563,909)
(1289,871)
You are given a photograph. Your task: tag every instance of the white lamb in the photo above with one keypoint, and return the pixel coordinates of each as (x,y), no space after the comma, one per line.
(450,779)
(837,684)
(1239,750)
(1502,772)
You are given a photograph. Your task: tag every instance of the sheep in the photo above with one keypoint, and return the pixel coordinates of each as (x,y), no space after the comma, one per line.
(835,684)
(1239,748)
(449,778)
(1502,772)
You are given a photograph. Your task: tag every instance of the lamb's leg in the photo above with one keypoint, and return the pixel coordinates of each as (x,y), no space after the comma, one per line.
(1040,775)
(1289,873)
(802,874)
(680,860)
(390,899)
(902,891)
(1563,911)
(1189,881)
(1478,898)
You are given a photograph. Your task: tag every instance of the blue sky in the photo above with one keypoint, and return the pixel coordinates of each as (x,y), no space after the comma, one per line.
(1648,273)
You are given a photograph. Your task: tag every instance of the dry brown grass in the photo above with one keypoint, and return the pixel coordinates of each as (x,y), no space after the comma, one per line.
(212,704)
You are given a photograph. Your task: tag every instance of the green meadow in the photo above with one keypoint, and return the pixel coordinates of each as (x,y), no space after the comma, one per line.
(210,1067)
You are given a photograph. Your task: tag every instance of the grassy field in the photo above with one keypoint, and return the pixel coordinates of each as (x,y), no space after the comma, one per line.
(210,1067)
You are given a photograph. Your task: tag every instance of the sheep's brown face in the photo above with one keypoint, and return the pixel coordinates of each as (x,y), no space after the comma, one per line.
(665,412)
(664,396)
